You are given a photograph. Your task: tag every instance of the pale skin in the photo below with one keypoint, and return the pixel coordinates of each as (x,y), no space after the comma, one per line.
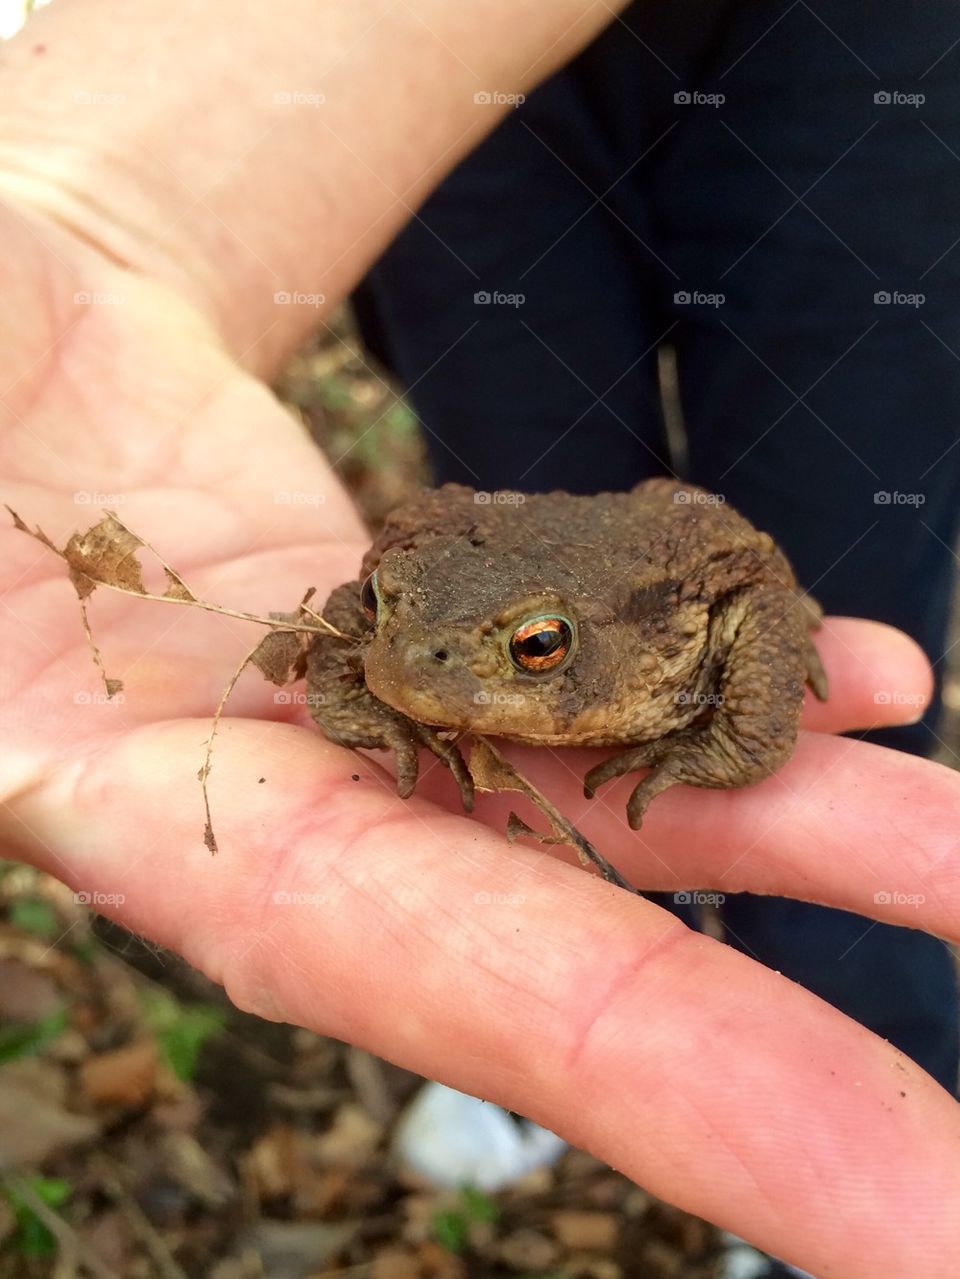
(709,1079)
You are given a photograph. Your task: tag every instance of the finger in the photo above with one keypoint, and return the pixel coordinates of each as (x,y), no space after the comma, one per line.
(844,822)
(714,1082)
(877,676)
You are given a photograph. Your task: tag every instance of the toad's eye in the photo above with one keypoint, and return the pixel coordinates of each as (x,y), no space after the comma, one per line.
(541,644)
(369,599)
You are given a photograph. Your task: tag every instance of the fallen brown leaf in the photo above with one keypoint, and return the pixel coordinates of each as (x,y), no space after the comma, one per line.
(125,1077)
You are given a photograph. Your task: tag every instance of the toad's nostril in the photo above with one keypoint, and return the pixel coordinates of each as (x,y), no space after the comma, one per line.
(441,655)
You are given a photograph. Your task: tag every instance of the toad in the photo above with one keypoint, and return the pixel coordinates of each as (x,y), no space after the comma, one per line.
(658,621)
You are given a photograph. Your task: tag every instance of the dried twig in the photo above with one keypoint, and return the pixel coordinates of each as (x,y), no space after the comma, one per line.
(105,555)
(149,1236)
(493,771)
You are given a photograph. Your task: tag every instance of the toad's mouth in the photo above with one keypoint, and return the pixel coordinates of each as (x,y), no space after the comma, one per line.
(426,705)
(432,686)
(458,701)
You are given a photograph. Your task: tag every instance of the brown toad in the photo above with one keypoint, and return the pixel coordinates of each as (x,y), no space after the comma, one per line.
(658,620)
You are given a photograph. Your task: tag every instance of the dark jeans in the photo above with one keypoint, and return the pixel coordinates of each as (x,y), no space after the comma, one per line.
(729,178)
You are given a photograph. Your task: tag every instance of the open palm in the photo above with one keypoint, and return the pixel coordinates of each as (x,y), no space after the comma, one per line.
(405,926)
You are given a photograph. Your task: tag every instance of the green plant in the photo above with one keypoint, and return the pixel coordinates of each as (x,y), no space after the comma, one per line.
(31,1237)
(181,1031)
(24,1039)
(451,1227)
(34,915)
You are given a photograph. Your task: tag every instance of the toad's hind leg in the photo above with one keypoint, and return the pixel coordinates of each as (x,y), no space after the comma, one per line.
(751,727)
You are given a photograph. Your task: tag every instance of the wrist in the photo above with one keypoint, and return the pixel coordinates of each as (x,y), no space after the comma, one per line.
(238,154)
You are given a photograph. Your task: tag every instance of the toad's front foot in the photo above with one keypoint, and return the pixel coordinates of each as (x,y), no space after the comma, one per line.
(348,714)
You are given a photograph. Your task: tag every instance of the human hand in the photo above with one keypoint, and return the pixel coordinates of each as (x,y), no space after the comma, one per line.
(404,926)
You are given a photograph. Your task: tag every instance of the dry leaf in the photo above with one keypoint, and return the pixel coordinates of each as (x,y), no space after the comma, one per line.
(32,1128)
(106,555)
(124,1077)
(586,1231)
(277,655)
(516,827)
(177,589)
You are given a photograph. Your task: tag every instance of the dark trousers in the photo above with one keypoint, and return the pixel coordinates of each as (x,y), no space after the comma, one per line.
(773,189)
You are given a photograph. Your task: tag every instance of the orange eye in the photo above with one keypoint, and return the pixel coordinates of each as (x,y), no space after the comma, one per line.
(369,599)
(541,644)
